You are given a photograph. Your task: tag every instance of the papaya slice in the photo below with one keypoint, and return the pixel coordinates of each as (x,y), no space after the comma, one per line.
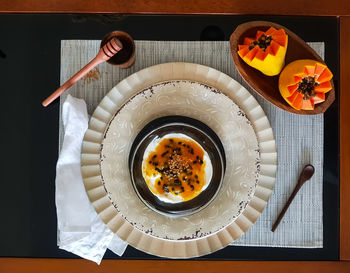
(259,33)
(319,97)
(267,51)
(303,83)
(298,78)
(261,55)
(292,98)
(273,48)
(319,69)
(309,70)
(325,76)
(278,32)
(270,31)
(251,54)
(240,47)
(243,50)
(296,100)
(308,104)
(323,87)
(280,39)
(248,41)
(293,88)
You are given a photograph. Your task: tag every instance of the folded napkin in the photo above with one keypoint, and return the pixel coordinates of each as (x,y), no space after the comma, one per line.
(80,230)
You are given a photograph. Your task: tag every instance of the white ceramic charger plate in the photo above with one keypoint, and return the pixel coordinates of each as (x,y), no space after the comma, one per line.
(200,102)
(144,232)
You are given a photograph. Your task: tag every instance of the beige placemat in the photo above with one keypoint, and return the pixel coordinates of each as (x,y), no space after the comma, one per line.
(299,138)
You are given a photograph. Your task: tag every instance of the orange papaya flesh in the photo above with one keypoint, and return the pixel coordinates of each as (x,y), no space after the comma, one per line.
(309,71)
(248,41)
(292,97)
(240,47)
(270,31)
(243,51)
(261,54)
(319,69)
(266,51)
(297,78)
(310,85)
(273,48)
(323,87)
(293,88)
(297,100)
(308,104)
(251,54)
(280,39)
(319,97)
(279,32)
(259,33)
(325,76)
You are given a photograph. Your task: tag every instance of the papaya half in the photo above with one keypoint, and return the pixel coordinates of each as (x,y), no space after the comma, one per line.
(304,83)
(266,52)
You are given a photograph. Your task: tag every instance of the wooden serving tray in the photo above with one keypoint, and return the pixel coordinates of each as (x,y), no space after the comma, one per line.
(267,86)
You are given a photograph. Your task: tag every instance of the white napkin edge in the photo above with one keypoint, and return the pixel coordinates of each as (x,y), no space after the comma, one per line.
(88,241)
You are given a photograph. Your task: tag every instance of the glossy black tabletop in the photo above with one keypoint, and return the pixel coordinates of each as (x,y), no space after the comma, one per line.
(30,70)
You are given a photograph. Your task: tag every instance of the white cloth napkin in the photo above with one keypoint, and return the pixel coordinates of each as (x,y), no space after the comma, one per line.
(80,230)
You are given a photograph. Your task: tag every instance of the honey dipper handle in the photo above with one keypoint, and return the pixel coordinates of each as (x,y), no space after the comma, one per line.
(97,60)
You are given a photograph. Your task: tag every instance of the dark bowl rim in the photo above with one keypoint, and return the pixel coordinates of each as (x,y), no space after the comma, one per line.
(177,120)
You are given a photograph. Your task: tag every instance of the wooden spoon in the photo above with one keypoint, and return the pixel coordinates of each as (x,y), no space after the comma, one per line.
(105,53)
(305,175)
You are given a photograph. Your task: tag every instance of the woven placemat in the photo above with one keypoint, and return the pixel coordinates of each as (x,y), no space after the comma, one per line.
(299,138)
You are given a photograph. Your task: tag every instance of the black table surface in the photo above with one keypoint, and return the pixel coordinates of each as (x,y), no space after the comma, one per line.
(30,71)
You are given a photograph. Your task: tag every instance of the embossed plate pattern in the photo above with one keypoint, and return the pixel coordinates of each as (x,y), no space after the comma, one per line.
(207,105)
(244,193)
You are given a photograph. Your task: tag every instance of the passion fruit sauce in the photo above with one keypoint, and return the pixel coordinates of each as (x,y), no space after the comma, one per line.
(177,167)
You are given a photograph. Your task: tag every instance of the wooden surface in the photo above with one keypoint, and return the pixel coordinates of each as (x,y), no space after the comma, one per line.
(75,265)
(344,139)
(267,86)
(291,7)
(295,7)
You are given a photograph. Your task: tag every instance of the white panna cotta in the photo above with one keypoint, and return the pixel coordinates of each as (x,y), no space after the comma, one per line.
(176,168)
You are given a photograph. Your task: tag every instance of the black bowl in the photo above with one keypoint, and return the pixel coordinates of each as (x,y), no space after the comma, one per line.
(198,131)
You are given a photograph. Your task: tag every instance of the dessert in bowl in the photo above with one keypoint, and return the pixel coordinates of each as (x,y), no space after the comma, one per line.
(176,168)
(177,165)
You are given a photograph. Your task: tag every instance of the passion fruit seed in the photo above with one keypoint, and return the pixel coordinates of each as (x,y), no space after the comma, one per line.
(177,162)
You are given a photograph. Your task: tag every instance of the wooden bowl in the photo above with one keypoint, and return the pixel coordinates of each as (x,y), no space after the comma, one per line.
(125,57)
(267,86)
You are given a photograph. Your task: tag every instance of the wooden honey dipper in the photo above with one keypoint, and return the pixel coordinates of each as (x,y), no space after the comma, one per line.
(105,53)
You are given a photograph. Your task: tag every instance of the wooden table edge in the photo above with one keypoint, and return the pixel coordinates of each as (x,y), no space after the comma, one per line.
(344,138)
(30,265)
(322,8)
(73,265)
